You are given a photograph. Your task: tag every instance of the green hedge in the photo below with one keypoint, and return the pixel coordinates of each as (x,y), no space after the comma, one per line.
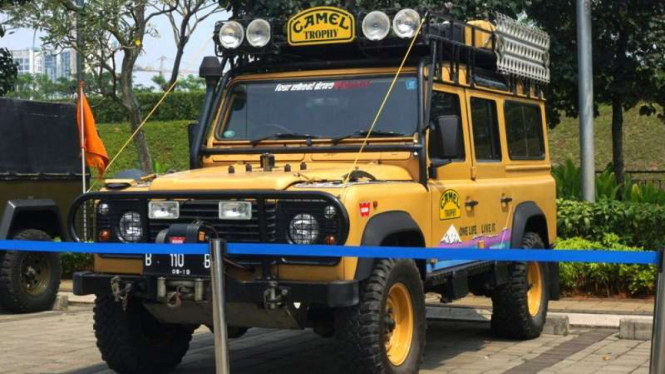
(636,224)
(605,279)
(176,106)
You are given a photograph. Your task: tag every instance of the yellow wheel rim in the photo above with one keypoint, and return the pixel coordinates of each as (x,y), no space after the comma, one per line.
(398,324)
(535,291)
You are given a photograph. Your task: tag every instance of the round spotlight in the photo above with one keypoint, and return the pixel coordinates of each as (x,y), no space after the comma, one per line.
(231,35)
(258,33)
(376,25)
(405,23)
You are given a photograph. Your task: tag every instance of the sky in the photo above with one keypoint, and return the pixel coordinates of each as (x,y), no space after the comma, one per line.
(154,47)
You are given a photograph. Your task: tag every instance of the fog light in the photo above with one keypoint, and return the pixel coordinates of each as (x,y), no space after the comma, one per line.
(258,33)
(232,210)
(406,23)
(376,25)
(164,210)
(231,35)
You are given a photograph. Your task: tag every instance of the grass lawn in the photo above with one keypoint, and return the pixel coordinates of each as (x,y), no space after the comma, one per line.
(644,137)
(643,140)
(167,142)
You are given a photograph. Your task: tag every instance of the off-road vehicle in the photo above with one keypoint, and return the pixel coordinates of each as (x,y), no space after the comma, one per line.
(40,176)
(338,128)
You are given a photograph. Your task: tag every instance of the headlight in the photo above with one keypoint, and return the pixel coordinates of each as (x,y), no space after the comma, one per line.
(258,33)
(303,229)
(231,35)
(130,227)
(164,210)
(241,210)
(376,25)
(406,23)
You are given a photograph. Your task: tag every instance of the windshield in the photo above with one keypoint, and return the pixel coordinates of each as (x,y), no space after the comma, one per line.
(320,108)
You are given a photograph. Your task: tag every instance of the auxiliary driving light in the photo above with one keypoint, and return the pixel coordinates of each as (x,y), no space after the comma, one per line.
(258,33)
(376,25)
(235,210)
(164,210)
(405,23)
(231,35)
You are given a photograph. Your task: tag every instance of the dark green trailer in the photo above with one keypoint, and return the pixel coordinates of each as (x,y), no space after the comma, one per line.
(40,174)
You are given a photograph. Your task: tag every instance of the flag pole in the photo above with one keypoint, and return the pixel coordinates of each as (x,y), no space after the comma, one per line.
(83,181)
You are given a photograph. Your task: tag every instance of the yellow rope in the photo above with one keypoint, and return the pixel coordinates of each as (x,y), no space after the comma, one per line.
(383,104)
(145,120)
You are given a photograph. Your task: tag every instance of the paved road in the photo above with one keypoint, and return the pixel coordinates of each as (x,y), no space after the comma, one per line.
(56,342)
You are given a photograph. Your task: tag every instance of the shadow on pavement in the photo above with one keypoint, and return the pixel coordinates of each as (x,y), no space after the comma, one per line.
(295,352)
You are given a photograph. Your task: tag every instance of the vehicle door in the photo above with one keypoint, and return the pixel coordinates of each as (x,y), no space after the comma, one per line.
(449,170)
(491,198)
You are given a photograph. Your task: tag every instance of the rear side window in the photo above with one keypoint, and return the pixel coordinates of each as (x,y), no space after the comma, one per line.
(486,140)
(524,128)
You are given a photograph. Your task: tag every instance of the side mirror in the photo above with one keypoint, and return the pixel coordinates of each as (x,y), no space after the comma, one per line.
(450,137)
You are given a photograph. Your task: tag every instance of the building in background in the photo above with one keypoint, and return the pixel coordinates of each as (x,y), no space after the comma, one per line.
(54,65)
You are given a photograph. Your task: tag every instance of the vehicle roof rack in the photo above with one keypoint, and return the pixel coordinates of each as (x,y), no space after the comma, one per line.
(517,51)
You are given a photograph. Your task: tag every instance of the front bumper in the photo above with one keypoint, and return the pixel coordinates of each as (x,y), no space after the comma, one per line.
(335,294)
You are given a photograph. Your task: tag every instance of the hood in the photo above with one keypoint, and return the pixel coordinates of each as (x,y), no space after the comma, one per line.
(221,178)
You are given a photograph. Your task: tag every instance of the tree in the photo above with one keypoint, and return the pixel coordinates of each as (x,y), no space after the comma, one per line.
(8,69)
(628,59)
(184,20)
(460,9)
(112,33)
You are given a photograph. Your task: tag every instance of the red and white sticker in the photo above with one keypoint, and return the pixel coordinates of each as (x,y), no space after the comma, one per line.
(177,240)
(364,209)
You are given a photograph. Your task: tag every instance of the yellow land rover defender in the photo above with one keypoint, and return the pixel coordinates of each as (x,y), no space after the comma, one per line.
(378,128)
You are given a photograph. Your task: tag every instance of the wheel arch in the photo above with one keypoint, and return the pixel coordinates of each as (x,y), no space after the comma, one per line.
(530,218)
(39,214)
(394,228)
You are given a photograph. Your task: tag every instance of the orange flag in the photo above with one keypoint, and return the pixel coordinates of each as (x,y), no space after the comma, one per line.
(95,152)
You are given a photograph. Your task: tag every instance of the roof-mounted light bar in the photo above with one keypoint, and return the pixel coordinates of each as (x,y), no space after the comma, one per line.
(376,25)
(522,50)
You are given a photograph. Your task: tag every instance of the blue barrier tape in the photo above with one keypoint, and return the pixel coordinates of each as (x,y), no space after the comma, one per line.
(599,256)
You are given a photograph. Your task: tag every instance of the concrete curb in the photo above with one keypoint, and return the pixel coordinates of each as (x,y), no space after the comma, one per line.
(634,327)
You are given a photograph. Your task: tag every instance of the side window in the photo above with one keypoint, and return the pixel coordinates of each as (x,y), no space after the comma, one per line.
(444,105)
(486,140)
(524,128)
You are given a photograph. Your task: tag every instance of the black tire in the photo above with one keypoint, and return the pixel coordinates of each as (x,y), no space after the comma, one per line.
(134,342)
(361,330)
(511,317)
(29,281)
(235,332)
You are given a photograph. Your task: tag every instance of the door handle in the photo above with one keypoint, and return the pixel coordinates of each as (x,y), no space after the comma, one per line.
(506,200)
(471,203)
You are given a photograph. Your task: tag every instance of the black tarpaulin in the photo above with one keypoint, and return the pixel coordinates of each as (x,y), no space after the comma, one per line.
(38,138)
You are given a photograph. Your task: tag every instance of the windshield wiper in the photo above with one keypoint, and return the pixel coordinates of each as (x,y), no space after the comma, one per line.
(283,136)
(361,133)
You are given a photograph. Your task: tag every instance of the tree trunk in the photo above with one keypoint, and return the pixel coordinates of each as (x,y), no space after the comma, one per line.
(175,71)
(617,139)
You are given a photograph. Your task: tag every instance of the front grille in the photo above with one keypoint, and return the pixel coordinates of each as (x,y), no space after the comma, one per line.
(272,213)
(233,231)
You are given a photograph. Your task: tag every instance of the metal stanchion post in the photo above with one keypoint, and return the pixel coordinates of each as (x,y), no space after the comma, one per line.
(217,250)
(658,333)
